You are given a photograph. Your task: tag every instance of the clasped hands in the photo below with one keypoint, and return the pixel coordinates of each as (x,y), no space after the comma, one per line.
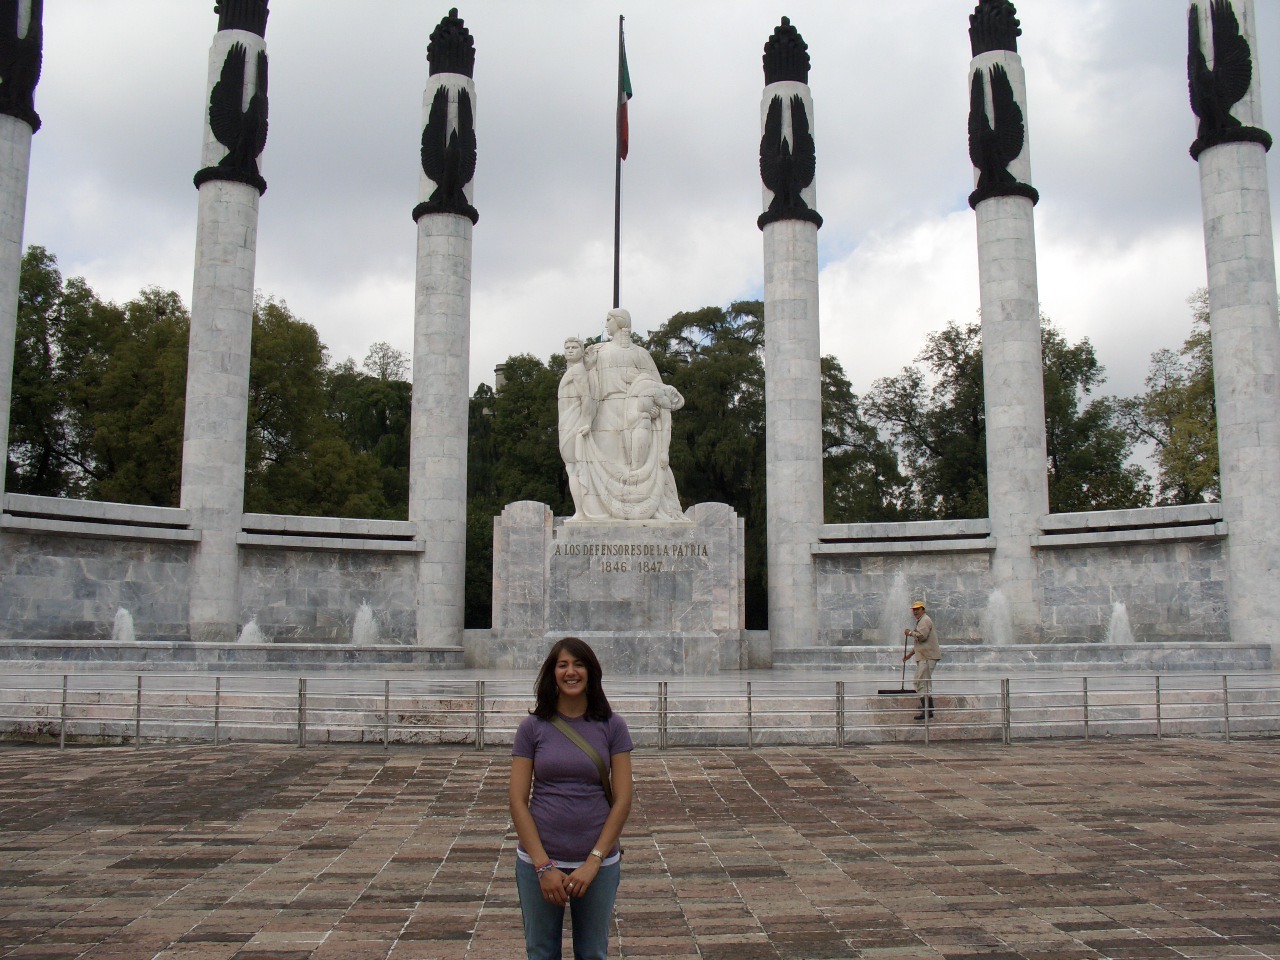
(558,887)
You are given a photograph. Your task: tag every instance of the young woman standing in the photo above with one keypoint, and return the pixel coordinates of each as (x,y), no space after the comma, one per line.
(570,796)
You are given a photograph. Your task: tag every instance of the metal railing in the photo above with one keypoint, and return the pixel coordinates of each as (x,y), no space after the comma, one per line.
(666,714)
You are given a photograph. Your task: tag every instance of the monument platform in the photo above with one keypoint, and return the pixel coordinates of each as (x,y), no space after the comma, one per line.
(651,597)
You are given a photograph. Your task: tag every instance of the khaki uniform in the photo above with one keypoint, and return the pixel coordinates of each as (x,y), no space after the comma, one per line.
(927,653)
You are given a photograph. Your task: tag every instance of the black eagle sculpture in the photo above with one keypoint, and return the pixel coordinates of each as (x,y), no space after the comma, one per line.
(242,130)
(20,59)
(787,167)
(449,156)
(996,142)
(1215,91)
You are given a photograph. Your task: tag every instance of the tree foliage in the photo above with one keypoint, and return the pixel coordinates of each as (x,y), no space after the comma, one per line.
(99,389)
(1177,414)
(938,425)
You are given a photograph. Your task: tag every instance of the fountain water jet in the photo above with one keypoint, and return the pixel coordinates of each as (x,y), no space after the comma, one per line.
(896,615)
(364,632)
(996,622)
(122,627)
(1118,630)
(250,633)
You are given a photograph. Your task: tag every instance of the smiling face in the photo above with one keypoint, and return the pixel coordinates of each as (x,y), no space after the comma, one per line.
(571,676)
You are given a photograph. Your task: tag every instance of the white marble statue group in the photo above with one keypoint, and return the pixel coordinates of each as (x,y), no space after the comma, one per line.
(615,429)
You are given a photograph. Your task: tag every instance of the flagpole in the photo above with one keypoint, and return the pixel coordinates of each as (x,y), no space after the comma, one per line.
(617,174)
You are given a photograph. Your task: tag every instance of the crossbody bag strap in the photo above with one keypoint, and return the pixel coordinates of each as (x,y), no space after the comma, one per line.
(560,724)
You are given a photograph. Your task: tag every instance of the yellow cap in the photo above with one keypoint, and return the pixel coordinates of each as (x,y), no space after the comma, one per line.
(918,605)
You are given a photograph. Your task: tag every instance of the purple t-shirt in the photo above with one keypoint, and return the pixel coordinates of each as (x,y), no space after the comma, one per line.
(568,804)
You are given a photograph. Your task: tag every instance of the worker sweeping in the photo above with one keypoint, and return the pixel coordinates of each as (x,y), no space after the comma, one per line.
(927,653)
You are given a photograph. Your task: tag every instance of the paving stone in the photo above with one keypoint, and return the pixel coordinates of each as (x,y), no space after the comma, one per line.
(1139,849)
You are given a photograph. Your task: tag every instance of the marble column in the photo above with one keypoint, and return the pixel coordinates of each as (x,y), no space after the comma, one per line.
(442,333)
(1013,373)
(20,62)
(217,404)
(1231,148)
(793,359)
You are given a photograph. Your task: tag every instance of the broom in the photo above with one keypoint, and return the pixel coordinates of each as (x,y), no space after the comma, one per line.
(902,687)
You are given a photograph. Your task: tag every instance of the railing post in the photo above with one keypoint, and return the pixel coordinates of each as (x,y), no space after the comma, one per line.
(1159,710)
(217,710)
(480,745)
(386,715)
(924,708)
(662,714)
(62,717)
(1226,710)
(1006,714)
(750,719)
(137,716)
(1084,688)
(302,712)
(839,713)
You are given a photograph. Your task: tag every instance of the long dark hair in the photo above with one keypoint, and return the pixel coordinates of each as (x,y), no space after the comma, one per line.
(548,694)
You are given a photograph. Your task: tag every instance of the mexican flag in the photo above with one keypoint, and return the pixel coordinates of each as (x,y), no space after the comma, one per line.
(624,94)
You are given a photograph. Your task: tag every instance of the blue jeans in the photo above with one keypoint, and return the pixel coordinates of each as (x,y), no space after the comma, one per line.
(590,915)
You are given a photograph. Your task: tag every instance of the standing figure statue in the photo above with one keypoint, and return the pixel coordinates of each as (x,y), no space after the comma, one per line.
(577,407)
(621,469)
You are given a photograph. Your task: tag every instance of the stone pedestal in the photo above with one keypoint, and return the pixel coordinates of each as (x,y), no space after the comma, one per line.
(652,598)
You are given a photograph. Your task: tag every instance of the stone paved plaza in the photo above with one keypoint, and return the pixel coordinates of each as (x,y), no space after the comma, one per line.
(1047,850)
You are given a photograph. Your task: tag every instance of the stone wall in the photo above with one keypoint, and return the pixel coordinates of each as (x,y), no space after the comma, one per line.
(315,596)
(865,600)
(1170,591)
(68,566)
(1166,566)
(69,588)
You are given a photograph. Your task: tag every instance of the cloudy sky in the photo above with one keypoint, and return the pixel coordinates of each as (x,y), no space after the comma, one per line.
(1117,229)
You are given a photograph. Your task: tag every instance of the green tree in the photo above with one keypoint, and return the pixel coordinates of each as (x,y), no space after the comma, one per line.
(131,409)
(39,451)
(97,401)
(938,425)
(483,504)
(527,435)
(862,482)
(373,411)
(1087,444)
(1177,414)
(297,460)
